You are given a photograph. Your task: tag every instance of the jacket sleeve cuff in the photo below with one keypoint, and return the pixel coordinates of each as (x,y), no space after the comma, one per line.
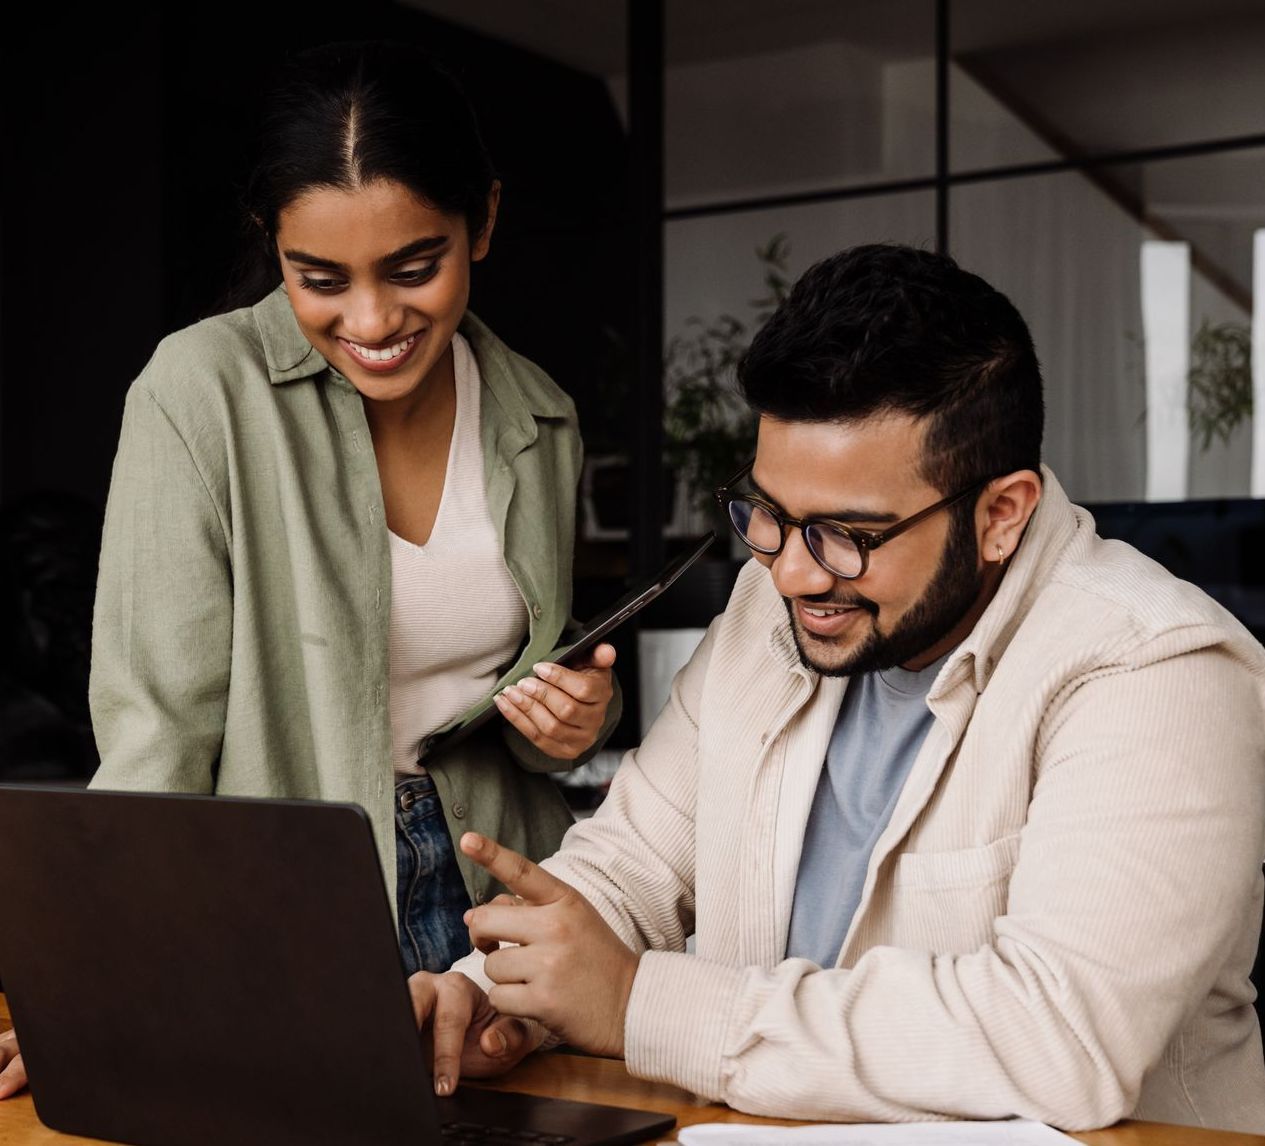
(678,1015)
(471,966)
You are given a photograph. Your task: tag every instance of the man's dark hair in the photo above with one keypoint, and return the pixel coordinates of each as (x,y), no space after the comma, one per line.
(884,329)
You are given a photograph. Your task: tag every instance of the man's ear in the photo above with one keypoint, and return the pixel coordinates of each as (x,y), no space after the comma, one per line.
(1008,503)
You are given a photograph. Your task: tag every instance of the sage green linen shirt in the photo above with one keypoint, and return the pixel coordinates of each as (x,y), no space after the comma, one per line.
(244,593)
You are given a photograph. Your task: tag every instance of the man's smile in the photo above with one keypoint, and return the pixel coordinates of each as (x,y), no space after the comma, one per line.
(827,620)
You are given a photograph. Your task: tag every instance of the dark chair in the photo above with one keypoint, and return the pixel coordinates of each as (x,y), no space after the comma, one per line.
(48,566)
(1214,543)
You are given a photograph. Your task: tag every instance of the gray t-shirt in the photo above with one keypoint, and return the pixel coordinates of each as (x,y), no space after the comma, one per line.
(881,725)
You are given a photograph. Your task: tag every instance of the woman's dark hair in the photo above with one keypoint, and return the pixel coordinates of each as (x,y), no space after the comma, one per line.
(886,328)
(345,115)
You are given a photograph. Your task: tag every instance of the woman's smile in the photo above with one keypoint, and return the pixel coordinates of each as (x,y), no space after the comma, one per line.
(383,359)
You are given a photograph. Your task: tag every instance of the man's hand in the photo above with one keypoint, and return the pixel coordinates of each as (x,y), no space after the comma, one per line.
(568,970)
(561,710)
(470,1037)
(12,1071)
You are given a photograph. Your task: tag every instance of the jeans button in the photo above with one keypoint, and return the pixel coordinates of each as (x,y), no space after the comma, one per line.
(407,800)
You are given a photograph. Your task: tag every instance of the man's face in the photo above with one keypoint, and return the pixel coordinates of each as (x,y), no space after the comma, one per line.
(915,600)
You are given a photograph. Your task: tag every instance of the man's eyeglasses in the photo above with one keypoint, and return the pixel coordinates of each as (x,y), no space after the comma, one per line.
(840,549)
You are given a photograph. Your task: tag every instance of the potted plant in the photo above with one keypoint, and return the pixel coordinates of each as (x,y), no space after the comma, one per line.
(1219,392)
(709,431)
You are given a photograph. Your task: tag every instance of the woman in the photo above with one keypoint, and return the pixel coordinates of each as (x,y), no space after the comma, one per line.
(339,517)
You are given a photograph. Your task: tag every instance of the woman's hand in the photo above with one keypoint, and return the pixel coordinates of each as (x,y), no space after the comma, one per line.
(561,710)
(471,1039)
(12,1072)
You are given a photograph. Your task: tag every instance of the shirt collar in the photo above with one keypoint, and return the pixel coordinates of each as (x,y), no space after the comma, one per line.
(518,385)
(1052,526)
(288,353)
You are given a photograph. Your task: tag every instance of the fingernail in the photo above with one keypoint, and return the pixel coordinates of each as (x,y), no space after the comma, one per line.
(443,1086)
(501,702)
(545,671)
(466,917)
(530,686)
(513,693)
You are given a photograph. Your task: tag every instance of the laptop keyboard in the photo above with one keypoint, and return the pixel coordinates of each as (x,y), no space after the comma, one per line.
(459,1133)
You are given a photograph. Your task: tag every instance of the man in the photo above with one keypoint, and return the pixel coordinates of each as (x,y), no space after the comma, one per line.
(964,805)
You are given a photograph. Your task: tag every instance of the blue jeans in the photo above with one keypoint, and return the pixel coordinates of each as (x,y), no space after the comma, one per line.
(430,892)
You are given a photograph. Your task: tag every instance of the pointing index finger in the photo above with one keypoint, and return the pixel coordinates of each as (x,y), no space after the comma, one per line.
(519,874)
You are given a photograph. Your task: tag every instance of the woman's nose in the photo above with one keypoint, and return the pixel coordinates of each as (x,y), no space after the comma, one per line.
(372,317)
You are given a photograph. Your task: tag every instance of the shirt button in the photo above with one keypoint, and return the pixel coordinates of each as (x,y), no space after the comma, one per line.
(479,897)
(535,611)
(459,810)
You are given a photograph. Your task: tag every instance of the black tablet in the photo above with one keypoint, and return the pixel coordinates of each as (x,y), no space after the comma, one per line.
(590,635)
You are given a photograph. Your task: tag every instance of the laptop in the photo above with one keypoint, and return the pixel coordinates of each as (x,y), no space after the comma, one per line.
(197,971)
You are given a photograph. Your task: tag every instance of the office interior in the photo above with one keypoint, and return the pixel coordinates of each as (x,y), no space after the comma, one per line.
(669,166)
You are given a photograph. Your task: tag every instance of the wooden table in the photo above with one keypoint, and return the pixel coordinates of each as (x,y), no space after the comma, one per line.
(605,1080)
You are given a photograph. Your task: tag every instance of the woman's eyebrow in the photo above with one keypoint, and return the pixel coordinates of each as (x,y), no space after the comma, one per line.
(416,247)
(844,515)
(297,256)
(408,251)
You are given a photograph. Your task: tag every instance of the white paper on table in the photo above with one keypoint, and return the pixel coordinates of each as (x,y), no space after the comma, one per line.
(1011,1132)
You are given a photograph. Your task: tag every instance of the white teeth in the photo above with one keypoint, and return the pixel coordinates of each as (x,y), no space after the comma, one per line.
(384,355)
(822,612)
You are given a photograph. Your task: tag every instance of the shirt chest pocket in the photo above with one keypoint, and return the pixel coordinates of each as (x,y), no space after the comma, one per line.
(947,901)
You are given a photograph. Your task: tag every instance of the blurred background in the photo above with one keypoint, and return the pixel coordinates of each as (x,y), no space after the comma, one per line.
(669,167)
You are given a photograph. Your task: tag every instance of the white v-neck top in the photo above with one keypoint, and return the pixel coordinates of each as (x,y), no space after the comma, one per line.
(456,616)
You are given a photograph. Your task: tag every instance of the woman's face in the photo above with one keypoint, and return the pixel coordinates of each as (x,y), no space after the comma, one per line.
(378,281)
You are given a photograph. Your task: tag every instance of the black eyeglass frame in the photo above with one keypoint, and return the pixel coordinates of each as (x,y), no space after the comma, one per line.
(866,541)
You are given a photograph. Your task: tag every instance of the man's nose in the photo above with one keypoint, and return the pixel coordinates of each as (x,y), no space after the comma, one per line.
(796,572)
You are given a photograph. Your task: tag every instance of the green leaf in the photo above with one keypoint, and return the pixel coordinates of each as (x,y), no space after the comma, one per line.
(1219,394)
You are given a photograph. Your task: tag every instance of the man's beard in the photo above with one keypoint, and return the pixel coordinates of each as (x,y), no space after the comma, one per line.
(953,590)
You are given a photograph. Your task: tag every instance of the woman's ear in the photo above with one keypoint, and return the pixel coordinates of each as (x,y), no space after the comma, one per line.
(479,247)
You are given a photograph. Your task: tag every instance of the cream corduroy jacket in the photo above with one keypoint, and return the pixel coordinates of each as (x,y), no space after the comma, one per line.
(1059,920)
